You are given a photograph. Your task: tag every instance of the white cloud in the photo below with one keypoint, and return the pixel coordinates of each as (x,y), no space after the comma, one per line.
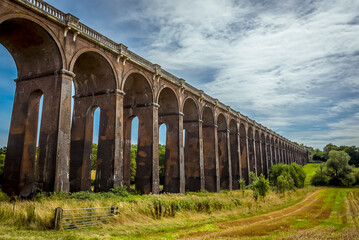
(276,62)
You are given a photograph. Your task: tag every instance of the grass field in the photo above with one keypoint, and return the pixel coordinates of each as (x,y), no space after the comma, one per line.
(331,213)
(309,213)
(32,220)
(310,169)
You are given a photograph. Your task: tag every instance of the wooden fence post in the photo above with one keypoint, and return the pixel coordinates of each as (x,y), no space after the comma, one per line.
(58,217)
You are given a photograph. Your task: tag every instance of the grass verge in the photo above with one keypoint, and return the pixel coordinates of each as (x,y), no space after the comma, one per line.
(138,216)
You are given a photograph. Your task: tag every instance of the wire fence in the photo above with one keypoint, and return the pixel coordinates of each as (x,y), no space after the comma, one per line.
(82,217)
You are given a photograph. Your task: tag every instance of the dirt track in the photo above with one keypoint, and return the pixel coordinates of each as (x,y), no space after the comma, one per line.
(325,214)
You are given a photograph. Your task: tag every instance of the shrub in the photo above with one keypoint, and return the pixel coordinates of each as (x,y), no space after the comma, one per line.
(320,178)
(260,185)
(3,197)
(120,191)
(242,184)
(293,174)
(297,173)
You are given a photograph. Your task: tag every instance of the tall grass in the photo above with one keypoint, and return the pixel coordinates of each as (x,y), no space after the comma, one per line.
(39,214)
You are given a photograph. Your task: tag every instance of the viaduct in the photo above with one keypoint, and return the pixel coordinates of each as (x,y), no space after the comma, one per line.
(52,50)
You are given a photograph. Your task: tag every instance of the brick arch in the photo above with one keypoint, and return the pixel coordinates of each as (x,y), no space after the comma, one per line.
(27,36)
(244,152)
(234,152)
(223,153)
(168,114)
(138,101)
(94,72)
(209,151)
(192,162)
(95,86)
(189,98)
(139,73)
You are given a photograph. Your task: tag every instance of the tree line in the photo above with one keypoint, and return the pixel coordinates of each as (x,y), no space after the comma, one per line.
(161,156)
(322,156)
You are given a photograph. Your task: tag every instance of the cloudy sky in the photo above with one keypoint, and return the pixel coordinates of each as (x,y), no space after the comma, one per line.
(291,65)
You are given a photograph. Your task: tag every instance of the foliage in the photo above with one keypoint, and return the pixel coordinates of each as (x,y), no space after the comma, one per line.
(120,191)
(3,196)
(94,156)
(242,184)
(336,171)
(162,159)
(293,174)
(317,156)
(352,151)
(259,185)
(133,164)
(297,173)
(2,161)
(356,175)
(320,177)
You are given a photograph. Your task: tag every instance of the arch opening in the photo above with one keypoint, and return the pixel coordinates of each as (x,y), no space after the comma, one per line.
(191,146)
(251,146)
(224,164)
(138,102)
(244,153)
(162,141)
(234,145)
(208,131)
(95,87)
(264,155)
(168,114)
(36,77)
(259,167)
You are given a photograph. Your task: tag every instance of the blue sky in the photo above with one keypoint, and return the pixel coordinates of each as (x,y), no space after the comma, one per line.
(291,65)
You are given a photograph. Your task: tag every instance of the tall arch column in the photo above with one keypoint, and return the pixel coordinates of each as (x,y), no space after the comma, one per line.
(54,139)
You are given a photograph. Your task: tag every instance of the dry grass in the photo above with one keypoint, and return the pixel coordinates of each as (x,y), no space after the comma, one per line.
(325,214)
(137,218)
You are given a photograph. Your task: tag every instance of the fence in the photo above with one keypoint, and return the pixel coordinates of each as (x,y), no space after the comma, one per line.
(82,217)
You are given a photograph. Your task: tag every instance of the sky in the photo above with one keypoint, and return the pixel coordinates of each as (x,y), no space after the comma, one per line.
(291,65)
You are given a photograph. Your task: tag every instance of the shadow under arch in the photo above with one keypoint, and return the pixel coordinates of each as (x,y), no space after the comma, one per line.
(224,165)
(251,152)
(209,131)
(259,168)
(168,114)
(244,152)
(234,150)
(95,87)
(192,157)
(138,102)
(24,39)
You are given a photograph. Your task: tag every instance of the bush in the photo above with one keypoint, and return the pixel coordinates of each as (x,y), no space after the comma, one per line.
(120,191)
(3,197)
(260,185)
(356,175)
(320,178)
(293,174)
(297,173)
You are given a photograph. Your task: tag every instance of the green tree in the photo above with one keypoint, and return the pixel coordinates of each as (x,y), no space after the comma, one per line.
(320,177)
(317,155)
(242,185)
(338,169)
(259,185)
(329,147)
(94,156)
(162,159)
(2,161)
(133,163)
